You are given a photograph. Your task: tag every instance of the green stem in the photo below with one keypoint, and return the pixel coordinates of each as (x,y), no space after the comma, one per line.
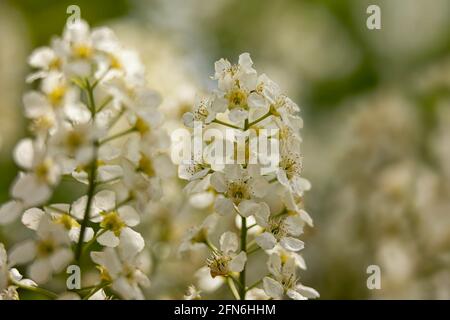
(268,114)
(255,284)
(118,135)
(105,103)
(226,124)
(38,290)
(233,289)
(90,242)
(92,175)
(243,248)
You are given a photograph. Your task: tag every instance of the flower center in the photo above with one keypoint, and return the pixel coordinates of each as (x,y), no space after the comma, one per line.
(277,228)
(112,221)
(56,95)
(82,51)
(67,221)
(292,165)
(146,165)
(238,191)
(43,169)
(218,265)
(114,62)
(45,247)
(237,98)
(142,126)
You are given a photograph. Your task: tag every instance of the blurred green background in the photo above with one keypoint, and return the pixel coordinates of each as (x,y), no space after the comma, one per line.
(375,105)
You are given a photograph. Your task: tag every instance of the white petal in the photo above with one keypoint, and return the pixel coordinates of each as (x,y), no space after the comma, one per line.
(9,211)
(224,206)
(32,217)
(218,181)
(238,262)
(259,187)
(23,153)
(262,215)
(105,200)
(266,241)
(78,207)
(30,190)
(108,259)
(274,264)
(108,239)
(129,215)
(131,243)
(292,244)
(245,61)
(295,295)
(306,217)
(60,259)
(22,253)
(308,292)
(109,172)
(272,288)
(294,225)
(255,100)
(228,242)
(40,270)
(248,208)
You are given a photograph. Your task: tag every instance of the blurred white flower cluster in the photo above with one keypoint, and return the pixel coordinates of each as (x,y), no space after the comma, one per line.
(268,206)
(93,120)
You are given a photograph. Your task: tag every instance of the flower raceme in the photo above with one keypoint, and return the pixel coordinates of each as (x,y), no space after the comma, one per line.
(94,120)
(267,203)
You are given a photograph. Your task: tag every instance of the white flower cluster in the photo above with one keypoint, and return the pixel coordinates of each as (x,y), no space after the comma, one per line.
(267,205)
(93,120)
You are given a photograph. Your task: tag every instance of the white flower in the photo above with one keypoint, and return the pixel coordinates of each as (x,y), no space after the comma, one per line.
(192,293)
(50,252)
(9,277)
(34,186)
(59,214)
(115,222)
(294,203)
(198,236)
(73,144)
(57,100)
(237,88)
(193,170)
(121,267)
(285,282)
(240,187)
(226,261)
(205,111)
(139,185)
(280,229)
(289,172)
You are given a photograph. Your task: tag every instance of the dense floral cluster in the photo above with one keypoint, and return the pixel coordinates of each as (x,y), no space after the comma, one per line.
(94,120)
(267,204)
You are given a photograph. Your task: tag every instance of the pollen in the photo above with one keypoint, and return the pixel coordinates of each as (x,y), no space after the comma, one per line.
(146,165)
(114,62)
(237,98)
(67,221)
(142,126)
(112,222)
(42,170)
(218,265)
(45,247)
(56,95)
(82,51)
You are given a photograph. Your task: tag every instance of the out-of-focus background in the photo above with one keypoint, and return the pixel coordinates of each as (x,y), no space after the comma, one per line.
(376,107)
